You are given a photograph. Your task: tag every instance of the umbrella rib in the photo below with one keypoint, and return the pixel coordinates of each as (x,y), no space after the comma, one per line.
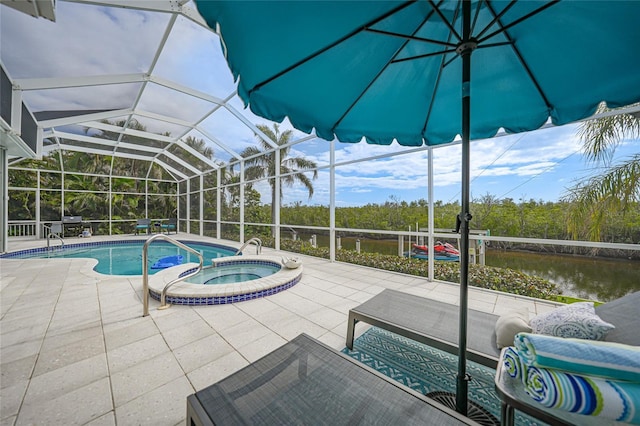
(496,17)
(407,39)
(498,44)
(519,55)
(477,14)
(330,46)
(503,29)
(444,19)
(426,55)
(446,64)
(433,94)
(412,38)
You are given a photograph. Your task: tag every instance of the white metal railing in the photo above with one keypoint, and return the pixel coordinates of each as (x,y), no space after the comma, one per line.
(22,228)
(472,236)
(31,228)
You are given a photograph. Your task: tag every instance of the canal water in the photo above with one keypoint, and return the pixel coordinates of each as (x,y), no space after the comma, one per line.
(593,278)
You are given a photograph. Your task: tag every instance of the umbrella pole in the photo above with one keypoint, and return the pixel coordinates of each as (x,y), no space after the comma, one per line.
(464,50)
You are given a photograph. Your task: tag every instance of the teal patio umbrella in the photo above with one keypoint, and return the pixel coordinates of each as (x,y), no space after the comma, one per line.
(422,72)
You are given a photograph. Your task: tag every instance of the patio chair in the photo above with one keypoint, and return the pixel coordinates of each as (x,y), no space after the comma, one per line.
(170,225)
(143,225)
(55,230)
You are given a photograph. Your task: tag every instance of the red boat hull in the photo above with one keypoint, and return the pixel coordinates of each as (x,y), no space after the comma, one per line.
(439,249)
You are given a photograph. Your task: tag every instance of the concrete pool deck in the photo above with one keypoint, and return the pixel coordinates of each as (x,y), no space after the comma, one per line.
(75,349)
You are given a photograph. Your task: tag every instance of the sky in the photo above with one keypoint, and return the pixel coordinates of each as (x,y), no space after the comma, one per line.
(94,40)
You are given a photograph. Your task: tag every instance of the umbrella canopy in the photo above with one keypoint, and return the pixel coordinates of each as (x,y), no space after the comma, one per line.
(390,70)
(422,72)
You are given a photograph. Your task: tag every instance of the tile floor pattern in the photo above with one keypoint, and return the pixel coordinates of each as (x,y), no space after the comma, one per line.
(75,349)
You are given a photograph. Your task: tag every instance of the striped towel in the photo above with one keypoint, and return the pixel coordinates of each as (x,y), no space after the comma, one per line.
(586,357)
(585,395)
(512,363)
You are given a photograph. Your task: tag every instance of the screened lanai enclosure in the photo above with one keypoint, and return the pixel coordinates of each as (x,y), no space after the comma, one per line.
(114,111)
(139,119)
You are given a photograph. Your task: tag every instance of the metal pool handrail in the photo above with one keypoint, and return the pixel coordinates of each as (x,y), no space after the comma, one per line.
(145,270)
(255,240)
(53,233)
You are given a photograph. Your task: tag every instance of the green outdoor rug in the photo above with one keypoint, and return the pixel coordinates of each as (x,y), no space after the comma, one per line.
(426,369)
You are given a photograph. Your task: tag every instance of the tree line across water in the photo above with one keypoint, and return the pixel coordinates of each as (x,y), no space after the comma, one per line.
(501,217)
(115,188)
(85,196)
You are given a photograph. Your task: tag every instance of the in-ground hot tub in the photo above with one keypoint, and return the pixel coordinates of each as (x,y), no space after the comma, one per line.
(234,272)
(228,280)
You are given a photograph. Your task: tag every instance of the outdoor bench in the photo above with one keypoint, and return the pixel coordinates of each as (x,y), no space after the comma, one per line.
(430,322)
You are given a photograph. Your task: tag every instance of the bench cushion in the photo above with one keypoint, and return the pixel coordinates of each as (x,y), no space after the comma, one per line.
(624,313)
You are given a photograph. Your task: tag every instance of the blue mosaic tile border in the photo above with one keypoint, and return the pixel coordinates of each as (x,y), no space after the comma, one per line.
(59,248)
(26,253)
(223,300)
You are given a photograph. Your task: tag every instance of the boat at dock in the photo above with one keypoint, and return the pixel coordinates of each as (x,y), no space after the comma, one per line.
(441,251)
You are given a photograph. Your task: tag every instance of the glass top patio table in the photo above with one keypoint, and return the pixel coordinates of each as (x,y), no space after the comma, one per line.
(307,382)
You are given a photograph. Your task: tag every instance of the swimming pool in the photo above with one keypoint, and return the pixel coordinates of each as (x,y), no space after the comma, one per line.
(124,257)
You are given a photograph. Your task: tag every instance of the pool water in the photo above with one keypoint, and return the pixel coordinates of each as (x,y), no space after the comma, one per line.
(234,273)
(126,258)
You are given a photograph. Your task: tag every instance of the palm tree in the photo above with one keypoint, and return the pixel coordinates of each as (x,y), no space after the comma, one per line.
(611,190)
(231,190)
(200,146)
(263,163)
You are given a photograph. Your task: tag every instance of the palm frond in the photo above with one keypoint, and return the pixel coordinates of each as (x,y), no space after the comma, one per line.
(301,163)
(304,179)
(602,136)
(608,192)
(263,161)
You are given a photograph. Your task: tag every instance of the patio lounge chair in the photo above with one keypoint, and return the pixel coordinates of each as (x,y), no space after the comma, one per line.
(143,225)
(430,322)
(170,225)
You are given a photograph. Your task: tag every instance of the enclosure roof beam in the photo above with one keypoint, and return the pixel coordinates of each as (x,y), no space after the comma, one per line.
(100,141)
(138,133)
(218,143)
(78,81)
(209,98)
(80,119)
(180,161)
(124,145)
(61,146)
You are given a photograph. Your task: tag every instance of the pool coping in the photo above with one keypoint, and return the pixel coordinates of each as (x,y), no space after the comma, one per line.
(183,293)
